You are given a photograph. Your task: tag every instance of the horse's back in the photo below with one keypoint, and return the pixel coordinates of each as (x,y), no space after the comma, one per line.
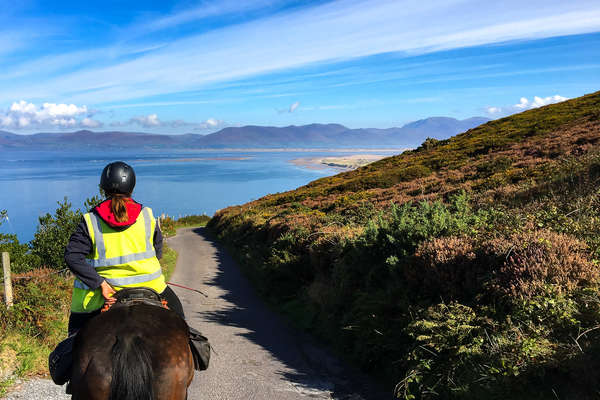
(134,330)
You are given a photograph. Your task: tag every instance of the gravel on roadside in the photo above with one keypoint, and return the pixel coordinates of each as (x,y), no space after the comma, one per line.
(36,389)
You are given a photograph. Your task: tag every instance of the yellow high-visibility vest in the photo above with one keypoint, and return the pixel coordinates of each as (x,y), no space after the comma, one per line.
(124,258)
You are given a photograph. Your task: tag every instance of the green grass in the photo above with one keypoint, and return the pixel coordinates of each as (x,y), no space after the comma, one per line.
(168,261)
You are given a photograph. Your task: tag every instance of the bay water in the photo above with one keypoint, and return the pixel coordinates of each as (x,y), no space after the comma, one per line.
(173,182)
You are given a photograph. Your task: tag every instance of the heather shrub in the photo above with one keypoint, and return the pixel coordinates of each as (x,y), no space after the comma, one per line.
(448,267)
(534,260)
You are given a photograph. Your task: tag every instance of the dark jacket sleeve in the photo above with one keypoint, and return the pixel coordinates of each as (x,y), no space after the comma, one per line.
(158,242)
(79,246)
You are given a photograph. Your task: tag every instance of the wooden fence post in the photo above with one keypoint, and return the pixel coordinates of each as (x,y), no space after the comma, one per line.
(8,295)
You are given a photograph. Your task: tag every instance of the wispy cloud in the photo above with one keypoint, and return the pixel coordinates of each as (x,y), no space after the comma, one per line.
(334,31)
(293,107)
(198,13)
(152,121)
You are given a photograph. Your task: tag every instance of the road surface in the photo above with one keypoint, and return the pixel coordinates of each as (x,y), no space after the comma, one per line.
(258,356)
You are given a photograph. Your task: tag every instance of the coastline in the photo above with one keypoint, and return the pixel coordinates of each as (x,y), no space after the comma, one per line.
(341,163)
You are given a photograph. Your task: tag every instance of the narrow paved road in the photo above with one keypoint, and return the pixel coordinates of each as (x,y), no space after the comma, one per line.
(258,356)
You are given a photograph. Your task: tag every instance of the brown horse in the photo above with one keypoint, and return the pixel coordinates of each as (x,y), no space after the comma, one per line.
(137,352)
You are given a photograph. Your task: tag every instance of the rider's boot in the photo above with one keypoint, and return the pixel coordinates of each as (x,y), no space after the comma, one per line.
(60,361)
(200,349)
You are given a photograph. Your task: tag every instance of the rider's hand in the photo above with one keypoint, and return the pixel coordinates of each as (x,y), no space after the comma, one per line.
(107,293)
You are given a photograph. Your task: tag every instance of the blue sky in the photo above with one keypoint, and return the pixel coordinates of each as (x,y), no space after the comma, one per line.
(190,66)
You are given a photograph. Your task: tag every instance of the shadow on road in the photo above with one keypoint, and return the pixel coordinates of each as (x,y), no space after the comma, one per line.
(314,369)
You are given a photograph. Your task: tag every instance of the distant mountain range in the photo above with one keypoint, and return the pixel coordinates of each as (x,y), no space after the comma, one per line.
(306,136)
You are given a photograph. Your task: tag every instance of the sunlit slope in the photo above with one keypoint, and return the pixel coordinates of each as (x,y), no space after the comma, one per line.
(509,151)
(467,268)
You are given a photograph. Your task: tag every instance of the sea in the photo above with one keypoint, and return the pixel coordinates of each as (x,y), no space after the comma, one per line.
(172,182)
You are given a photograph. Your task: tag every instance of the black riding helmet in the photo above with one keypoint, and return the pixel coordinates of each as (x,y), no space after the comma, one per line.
(117,178)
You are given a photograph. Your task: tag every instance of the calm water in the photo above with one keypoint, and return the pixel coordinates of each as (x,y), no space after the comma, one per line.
(176,183)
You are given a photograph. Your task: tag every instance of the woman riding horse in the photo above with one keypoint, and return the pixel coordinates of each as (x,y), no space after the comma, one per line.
(117,245)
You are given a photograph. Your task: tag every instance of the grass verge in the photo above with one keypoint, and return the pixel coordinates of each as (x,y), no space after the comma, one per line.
(168,261)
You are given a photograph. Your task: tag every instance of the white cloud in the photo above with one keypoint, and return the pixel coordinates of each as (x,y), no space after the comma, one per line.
(211,123)
(25,115)
(147,121)
(90,123)
(294,106)
(525,104)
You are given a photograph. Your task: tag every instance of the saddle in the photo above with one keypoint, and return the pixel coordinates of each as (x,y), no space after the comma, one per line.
(137,295)
(199,344)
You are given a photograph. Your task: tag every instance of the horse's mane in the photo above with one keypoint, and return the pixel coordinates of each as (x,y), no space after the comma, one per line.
(132,369)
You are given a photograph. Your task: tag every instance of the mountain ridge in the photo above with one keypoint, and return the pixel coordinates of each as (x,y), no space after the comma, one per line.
(310,135)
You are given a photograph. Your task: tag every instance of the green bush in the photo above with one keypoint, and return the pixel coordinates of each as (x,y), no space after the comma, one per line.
(21,257)
(54,231)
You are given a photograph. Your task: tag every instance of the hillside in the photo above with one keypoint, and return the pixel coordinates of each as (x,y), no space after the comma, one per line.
(310,136)
(466,268)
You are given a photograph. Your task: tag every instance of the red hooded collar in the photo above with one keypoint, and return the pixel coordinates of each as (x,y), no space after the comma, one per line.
(133,211)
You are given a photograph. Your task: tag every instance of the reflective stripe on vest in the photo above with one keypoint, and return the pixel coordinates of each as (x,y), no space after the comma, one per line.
(123,258)
(130,280)
(102,261)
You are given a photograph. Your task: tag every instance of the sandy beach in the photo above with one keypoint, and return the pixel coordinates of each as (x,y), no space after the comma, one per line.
(344,163)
